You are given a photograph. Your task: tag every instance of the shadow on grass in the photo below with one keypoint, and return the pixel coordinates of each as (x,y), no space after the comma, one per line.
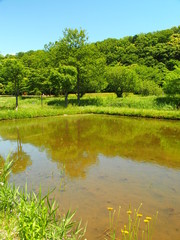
(7,107)
(173,101)
(74,102)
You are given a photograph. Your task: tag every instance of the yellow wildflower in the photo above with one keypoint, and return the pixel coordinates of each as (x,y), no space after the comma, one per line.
(126,232)
(148,218)
(109,208)
(139,215)
(129,212)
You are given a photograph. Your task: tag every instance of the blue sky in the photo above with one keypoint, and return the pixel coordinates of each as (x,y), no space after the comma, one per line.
(29,24)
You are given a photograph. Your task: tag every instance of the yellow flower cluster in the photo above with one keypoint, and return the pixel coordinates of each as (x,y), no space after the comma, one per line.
(147,219)
(124,232)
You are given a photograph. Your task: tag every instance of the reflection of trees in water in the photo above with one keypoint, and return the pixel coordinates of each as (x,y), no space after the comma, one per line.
(20,158)
(77,141)
(66,146)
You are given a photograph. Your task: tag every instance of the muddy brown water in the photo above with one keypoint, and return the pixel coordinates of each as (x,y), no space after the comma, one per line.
(97,161)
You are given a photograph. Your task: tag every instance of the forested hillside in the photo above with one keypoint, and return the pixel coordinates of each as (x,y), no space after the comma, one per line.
(146,64)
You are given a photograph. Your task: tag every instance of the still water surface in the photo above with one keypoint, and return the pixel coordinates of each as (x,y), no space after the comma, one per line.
(99,161)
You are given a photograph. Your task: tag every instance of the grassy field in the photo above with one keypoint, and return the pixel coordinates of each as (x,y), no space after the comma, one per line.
(104,103)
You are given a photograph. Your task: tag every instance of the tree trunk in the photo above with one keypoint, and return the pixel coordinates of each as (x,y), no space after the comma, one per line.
(16,101)
(41,100)
(78,87)
(66,99)
(119,93)
(17,93)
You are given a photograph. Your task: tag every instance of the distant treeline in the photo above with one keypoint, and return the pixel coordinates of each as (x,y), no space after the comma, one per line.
(146,64)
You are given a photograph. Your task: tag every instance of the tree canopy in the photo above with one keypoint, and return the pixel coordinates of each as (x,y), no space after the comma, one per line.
(146,64)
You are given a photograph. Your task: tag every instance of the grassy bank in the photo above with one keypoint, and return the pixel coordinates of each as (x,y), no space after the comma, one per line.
(150,107)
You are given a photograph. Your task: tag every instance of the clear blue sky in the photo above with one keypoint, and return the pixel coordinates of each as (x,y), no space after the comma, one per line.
(29,24)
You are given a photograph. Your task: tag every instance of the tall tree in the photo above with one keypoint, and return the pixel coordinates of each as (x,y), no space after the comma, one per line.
(55,80)
(13,72)
(73,50)
(121,79)
(68,78)
(68,51)
(172,82)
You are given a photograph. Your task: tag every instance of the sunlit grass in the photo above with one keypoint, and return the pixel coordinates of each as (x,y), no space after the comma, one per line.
(104,103)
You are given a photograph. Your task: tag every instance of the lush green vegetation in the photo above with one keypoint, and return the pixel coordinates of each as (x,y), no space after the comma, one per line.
(151,106)
(26,215)
(144,64)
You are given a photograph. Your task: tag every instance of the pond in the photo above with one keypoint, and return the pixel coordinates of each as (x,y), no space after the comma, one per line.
(97,161)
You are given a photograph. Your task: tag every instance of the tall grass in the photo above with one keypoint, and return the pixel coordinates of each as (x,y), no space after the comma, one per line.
(26,215)
(151,106)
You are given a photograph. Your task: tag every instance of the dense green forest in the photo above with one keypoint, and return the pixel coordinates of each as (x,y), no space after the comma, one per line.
(145,64)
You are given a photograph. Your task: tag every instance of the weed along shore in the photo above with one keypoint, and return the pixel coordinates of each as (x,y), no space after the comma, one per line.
(135,106)
(26,215)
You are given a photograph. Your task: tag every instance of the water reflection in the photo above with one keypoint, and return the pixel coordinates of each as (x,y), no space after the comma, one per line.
(100,161)
(21,160)
(77,141)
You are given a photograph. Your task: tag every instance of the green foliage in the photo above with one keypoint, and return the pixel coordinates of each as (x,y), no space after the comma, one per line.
(13,72)
(144,49)
(68,79)
(34,59)
(172,86)
(2,91)
(5,169)
(8,194)
(55,80)
(72,50)
(172,82)
(145,64)
(121,79)
(74,38)
(147,88)
(8,197)
(168,102)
